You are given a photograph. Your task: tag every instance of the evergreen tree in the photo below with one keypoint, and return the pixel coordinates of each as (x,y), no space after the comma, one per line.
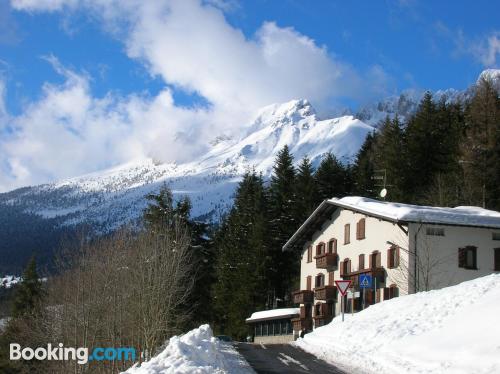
(364,168)
(283,223)
(160,210)
(28,293)
(331,178)
(481,149)
(243,263)
(306,191)
(389,158)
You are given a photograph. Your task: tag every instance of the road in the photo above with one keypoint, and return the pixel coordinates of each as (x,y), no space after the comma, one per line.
(283,358)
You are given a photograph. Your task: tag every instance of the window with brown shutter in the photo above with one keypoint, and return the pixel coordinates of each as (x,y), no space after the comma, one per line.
(320,280)
(346,265)
(497,259)
(375,260)
(309,254)
(361,262)
(320,249)
(360,229)
(391,292)
(393,257)
(308,283)
(347,233)
(341,267)
(332,246)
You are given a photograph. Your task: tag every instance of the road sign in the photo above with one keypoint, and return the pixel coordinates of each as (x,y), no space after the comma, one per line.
(351,294)
(342,286)
(365,281)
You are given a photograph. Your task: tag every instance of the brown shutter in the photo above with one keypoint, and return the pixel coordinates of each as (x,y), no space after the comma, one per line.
(361,262)
(348,266)
(370,261)
(302,312)
(397,257)
(389,258)
(331,281)
(341,266)
(357,230)
(308,283)
(347,233)
(387,293)
(362,224)
(461,257)
(309,254)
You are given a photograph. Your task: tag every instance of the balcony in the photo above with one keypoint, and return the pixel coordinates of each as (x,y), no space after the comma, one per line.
(300,323)
(326,260)
(378,271)
(303,297)
(325,293)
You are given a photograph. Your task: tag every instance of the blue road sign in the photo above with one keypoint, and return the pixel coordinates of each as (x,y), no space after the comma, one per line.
(365,281)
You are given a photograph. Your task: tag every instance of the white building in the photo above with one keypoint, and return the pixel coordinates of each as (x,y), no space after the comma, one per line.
(405,248)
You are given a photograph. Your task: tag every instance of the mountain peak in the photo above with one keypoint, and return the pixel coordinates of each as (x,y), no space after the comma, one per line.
(291,113)
(489,74)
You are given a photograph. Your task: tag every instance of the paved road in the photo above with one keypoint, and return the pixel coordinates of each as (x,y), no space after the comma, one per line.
(283,358)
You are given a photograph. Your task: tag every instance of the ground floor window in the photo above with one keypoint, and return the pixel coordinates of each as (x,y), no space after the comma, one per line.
(273,327)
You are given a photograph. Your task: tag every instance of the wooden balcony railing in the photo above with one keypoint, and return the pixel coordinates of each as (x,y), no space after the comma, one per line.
(326,260)
(303,297)
(325,293)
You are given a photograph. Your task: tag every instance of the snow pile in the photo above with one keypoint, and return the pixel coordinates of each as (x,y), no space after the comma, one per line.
(461,215)
(452,330)
(195,352)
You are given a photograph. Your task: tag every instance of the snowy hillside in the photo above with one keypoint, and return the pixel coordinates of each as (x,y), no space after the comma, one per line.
(452,330)
(113,197)
(195,352)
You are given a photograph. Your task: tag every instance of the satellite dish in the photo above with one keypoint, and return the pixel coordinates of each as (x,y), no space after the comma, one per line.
(383,193)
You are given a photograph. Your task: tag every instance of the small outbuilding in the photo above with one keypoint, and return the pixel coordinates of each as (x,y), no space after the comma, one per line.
(273,326)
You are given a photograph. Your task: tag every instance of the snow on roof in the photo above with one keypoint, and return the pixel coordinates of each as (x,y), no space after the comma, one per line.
(460,215)
(273,314)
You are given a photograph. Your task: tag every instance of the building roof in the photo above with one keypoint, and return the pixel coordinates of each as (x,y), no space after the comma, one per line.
(273,314)
(394,212)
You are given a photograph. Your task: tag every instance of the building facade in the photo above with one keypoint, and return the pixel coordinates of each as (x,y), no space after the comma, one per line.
(405,249)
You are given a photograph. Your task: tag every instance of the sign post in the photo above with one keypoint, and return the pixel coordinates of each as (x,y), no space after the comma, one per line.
(365,281)
(342,286)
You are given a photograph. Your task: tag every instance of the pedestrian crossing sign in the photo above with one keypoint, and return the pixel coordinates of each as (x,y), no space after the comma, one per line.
(365,281)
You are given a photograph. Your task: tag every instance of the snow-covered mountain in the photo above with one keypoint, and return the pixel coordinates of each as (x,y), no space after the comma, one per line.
(111,198)
(407,102)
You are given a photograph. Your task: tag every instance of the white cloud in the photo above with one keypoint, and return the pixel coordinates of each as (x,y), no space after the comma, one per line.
(191,46)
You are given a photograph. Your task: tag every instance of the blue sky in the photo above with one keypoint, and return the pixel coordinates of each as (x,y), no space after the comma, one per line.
(92,70)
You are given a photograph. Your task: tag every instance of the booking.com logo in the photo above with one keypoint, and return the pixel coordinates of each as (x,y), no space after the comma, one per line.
(61,353)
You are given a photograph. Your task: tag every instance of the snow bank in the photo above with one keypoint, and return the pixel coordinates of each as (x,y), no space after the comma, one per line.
(196,352)
(452,330)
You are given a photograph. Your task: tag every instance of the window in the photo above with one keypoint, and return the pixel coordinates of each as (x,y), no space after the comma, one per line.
(495,236)
(434,231)
(361,262)
(332,246)
(360,229)
(320,280)
(347,233)
(497,259)
(467,257)
(309,254)
(345,267)
(320,249)
(393,257)
(375,260)
(308,283)
(391,292)
(318,309)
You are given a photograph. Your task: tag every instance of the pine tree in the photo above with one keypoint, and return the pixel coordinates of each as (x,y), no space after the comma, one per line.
(242,267)
(160,210)
(364,168)
(331,178)
(283,223)
(481,149)
(389,157)
(306,191)
(29,292)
